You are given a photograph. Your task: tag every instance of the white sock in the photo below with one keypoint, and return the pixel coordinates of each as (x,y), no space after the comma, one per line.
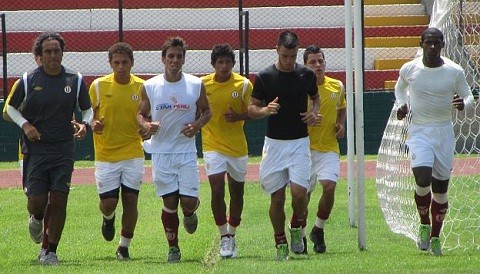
(109,217)
(223,229)
(232,229)
(124,242)
(320,223)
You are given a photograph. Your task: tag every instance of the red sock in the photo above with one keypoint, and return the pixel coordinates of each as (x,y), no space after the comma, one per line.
(280,238)
(423,206)
(170,225)
(296,221)
(438,215)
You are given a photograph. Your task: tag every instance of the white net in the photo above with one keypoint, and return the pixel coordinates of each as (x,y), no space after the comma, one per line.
(459,20)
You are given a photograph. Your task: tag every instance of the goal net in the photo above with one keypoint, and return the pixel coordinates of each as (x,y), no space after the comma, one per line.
(460,22)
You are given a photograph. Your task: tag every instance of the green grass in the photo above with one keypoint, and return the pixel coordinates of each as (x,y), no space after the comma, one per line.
(83,250)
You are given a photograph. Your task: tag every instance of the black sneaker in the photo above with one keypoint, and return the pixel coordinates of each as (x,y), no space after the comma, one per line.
(108,229)
(122,253)
(318,241)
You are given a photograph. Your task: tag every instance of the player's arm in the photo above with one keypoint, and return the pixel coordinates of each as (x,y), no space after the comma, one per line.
(232,115)
(14,113)
(464,97)
(5,115)
(146,127)
(202,116)
(341,113)
(86,110)
(401,97)
(310,117)
(340,125)
(257,111)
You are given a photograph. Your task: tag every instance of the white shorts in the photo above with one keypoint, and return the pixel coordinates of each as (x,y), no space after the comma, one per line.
(216,162)
(176,172)
(432,146)
(325,166)
(110,175)
(285,161)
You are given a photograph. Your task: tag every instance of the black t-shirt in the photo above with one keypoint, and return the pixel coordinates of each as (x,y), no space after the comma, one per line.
(49,106)
(293,89)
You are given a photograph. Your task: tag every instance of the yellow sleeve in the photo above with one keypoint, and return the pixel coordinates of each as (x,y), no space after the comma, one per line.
(14,87)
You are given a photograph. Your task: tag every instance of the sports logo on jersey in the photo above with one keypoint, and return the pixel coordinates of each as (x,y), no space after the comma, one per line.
(135,97)
(174,99)
(38,88)
(333,95)
(67,89)
(235,94)
(163,106)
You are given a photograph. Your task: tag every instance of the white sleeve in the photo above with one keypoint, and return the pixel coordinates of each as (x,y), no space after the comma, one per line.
(16,116)
(87,115)
(464,91)
(401,94)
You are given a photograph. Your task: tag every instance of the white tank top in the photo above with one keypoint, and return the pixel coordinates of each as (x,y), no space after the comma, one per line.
(174,106)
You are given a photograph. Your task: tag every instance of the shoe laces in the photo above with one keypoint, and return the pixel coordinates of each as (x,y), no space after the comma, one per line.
(225,242)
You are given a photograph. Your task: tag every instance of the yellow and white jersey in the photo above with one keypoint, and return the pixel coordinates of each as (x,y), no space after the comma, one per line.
(332,95)
(116,105)
(219,135)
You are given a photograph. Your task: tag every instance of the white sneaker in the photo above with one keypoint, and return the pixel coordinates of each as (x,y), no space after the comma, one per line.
(35,227)
(42,254)
(233,245)
(296,243)
(226,247)
(50,259)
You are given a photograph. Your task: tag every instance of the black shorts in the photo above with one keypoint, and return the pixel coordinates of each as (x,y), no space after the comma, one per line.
(45,172)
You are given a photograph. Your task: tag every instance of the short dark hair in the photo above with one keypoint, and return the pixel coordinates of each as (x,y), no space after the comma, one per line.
(312,49)
(222,50)
(287,39)
(432,31)
(120,48)
(45,36)
(176,41)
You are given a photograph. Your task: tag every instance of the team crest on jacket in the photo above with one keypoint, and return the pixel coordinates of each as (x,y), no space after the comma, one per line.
(67,89)
(235,94)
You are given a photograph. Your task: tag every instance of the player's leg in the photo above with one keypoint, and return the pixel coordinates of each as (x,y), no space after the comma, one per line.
(237,170)
(444,154)
(171,223)
(277,218)
(36,188)
(215,168)
(327,170)
(60,174)
(299,176)
(188,187)
(107,177)
(439,211)
(274,179)
(131,177)
(421,160)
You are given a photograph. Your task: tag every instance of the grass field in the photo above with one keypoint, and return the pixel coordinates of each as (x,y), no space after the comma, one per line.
(83,250)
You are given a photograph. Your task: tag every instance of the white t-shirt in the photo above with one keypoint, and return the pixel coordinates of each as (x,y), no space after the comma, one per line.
(174,106)
(430,91)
